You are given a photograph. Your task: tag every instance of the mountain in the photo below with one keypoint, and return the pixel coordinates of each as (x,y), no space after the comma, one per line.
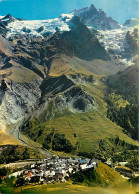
(37,56)
(98,19)
(114,39)
(52,85)
(132,22)
(89,16)
(7,19)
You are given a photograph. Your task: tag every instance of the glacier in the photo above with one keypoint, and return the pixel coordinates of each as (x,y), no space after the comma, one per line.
(39,28)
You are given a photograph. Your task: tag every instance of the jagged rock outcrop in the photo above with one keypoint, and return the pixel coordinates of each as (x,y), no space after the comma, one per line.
(98,19)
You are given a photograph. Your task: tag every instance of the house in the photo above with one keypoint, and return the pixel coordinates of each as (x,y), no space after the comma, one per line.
(86,167)
(90,166)
(27,178)
(29,174)
(70,170)
(60,176)
(25,172)
(83,161)
(58,170)
(41,174)
(122,163)
(94,164)
(3,177)
(33,171)
(32,166)
(15,174)
(41,180)
(47,172)
(83,166)
(52,173)
(64,172)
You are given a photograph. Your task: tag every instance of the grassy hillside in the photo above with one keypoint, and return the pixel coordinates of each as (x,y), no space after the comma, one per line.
(88,132)
(67,188)
(62,64)
(8,139)
(102,175)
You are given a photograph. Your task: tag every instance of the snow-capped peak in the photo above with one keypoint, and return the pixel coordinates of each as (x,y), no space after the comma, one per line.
(132,22)
(98,19)
(7,19)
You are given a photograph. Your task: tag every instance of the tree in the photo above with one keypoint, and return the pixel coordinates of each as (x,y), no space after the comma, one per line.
(35,179)
(26,154)
(20,182)
(3,171)
(60,143)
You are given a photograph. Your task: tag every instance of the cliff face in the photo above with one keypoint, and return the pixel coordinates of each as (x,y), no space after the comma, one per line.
(16,101)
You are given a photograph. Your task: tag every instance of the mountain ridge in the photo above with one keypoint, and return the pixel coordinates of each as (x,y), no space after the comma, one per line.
(113,39)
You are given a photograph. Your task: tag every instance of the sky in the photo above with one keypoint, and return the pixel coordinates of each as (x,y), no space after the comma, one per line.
(120,10)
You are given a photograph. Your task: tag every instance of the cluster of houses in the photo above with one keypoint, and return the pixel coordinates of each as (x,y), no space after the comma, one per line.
(58,169)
